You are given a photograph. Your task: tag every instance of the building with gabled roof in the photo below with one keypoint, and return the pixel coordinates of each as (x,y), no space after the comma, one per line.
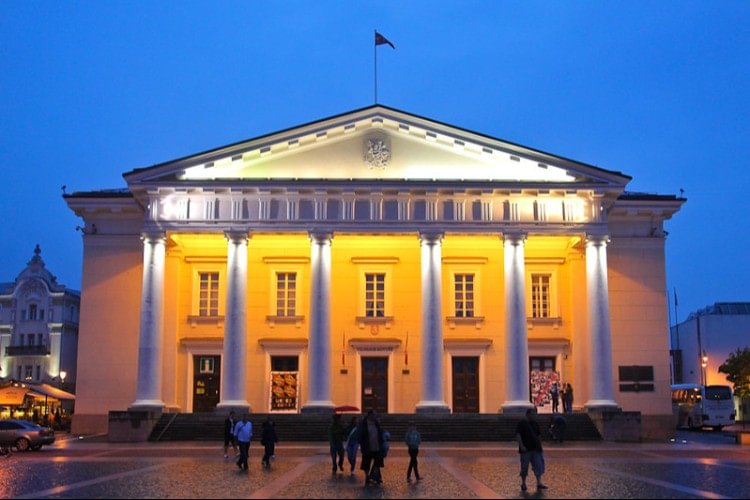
(378,259)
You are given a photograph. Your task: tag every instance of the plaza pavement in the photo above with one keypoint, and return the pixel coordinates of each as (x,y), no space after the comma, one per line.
(693,466)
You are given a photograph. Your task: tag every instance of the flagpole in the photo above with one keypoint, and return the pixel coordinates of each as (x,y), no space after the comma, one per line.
(375,51)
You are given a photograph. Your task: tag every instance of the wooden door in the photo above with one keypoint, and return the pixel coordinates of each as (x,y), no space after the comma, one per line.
(375,384)
(465,384)
(206,382)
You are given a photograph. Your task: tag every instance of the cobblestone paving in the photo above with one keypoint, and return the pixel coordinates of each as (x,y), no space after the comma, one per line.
(77,469)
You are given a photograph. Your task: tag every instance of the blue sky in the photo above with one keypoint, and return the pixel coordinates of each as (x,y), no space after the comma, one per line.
(657,90)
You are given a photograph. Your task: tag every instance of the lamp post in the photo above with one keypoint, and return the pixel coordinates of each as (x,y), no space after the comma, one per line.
(704,364)
(63,374)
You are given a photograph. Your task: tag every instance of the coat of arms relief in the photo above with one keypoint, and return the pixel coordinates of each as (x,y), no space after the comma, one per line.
(377,152)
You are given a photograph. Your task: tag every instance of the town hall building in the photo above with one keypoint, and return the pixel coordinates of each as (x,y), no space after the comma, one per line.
(376,259)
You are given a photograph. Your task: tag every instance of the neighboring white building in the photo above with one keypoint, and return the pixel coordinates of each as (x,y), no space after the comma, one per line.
(39,327)
(713,333)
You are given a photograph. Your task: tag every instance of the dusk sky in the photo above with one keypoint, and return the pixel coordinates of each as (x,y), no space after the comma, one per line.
(659,91)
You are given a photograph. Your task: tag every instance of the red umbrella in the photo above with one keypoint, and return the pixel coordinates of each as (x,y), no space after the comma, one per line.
(346,408)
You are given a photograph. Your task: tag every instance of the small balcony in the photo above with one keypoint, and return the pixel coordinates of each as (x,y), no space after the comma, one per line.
(27,350)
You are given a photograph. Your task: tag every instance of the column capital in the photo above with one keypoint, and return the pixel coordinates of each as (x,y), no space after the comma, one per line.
(320,236)
(514,238)
(597,239)
(237,235)
(153,237)
(429,237)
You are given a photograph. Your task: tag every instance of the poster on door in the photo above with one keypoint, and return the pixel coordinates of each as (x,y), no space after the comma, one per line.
(541,383)
(284,391)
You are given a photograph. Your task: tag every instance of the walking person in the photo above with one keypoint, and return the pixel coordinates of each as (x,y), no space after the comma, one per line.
(336,442)
(268,439)
(529,440)
(554,394)
(229,424)
(371,444)
(352,444)
(413,439)
(243,433)
(568,398)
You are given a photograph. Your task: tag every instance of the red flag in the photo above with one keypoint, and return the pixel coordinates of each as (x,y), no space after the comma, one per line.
(381,40)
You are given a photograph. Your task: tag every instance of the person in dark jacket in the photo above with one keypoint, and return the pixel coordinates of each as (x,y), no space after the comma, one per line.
(371,444)
(268,439)
(530,451)
(229,424)
(336,437)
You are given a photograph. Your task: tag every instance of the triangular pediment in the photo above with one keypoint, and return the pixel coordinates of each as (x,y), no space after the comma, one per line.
(377,143)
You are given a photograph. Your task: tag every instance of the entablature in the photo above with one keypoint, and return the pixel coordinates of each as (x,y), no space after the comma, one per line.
(397,206)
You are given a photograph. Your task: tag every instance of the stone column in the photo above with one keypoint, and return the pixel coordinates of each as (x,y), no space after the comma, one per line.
(432,400)
(600,337)
(319,358)
(516,338)
(233,376)
(148,389)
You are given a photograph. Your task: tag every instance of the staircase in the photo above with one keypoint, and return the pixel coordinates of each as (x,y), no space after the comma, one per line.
(314,427)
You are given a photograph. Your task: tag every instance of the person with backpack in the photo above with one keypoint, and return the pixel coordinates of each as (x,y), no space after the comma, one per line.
(413,439)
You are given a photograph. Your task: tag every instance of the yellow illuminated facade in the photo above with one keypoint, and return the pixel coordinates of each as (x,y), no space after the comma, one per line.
(376,259)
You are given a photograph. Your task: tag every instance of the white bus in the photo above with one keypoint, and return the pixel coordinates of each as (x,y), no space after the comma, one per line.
(699,406)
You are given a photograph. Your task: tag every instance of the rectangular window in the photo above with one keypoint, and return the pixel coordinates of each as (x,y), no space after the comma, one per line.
(208,303)
(375,295)
(540,298)
(286,294)
(29,372)
(38,372)
(464,295)
(32,312)
(636,378)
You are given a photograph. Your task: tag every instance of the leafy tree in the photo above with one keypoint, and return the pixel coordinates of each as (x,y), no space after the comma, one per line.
(737,368)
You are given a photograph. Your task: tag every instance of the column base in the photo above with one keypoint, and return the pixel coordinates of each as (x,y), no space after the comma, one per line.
(238,406)
(323,407)
(147,405)
(432,407)
(601,405)
(516,407)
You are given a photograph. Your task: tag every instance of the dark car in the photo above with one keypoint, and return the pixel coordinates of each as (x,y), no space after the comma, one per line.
(25,435)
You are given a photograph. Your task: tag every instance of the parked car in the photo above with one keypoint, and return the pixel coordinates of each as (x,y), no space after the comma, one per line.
(25,435)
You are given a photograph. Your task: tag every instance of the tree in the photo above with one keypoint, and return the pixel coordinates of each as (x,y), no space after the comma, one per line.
(737,368)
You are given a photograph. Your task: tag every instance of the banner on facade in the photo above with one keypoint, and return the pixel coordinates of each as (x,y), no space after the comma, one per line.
(284,391)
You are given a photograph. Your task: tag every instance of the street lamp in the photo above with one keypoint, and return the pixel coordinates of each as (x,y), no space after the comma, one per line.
(704,364)
(63,374)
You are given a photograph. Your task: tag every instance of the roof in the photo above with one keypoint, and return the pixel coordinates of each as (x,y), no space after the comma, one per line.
(375,109)
(723,309)
(631,195)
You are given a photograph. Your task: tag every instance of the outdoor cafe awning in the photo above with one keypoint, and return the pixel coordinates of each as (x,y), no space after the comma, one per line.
(14,394)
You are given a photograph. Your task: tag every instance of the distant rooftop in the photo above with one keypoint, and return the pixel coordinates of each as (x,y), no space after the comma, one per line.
(723,308)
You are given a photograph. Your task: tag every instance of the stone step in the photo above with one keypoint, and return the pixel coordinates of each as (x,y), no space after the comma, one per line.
(314,427)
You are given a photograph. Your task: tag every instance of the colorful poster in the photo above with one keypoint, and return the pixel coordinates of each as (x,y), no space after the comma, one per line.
(541,383)
(284,391)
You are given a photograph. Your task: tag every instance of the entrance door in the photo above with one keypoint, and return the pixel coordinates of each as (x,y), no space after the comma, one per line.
(206,382)
(375,384)
(465,384)
(541,377)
